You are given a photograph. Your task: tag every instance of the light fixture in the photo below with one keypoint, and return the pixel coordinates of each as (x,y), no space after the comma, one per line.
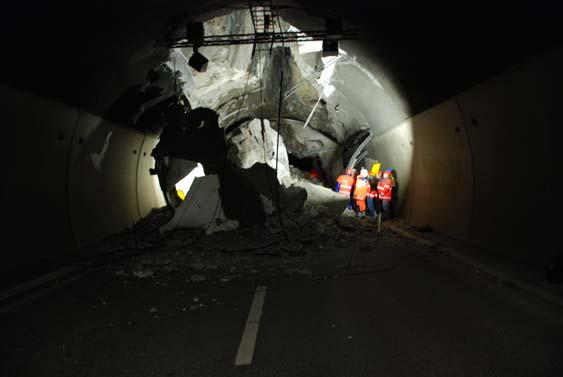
(198,61)
(334,28)
(333,33)
(330,47)
(195,34)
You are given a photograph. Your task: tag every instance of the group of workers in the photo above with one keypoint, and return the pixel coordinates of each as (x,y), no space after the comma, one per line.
(368,193)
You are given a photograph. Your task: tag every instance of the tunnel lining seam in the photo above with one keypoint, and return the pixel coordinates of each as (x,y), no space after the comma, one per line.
(67,179)
(473,177)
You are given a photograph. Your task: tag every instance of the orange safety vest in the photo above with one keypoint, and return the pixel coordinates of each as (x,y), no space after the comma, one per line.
(372,193)
(362,189)
(346,182)
(385,189)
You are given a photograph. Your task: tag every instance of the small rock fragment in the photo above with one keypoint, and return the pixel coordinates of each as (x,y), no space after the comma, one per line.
(143,273)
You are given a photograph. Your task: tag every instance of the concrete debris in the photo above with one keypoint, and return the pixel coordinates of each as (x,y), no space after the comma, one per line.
(177,169)
(225,225)
(256,142)
(143,273)
(320,228)
(323,196)
(300,175)
(202,209)
(291,247)
(169,268)
(268,204)
(261,177)
(249,253)
(315,211)
(300,271)
(304,142)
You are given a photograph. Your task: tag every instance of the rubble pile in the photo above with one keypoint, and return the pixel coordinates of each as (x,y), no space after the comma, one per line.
(256,142)
(249,254)
(144,234)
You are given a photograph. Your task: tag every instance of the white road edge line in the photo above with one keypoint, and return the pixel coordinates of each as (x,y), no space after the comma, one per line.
(248,341)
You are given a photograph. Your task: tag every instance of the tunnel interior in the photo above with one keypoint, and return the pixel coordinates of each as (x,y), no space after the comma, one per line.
(385,82)
(123,139)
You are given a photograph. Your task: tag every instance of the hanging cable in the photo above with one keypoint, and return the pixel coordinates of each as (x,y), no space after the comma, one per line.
(248,69)
(280,102)
(272,182)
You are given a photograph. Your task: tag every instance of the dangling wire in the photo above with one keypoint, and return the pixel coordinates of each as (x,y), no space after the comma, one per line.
(280,102)
(260,71)
(224,165)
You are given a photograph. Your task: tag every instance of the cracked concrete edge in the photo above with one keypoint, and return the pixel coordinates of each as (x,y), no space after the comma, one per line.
(501,276)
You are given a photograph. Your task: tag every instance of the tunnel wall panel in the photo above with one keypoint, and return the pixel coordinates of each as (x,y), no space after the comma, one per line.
(430,154)
(71,178)
(515,131)
(102,179)
(37,135)
(149,194)
(442,172)
(486,164)
(394,149)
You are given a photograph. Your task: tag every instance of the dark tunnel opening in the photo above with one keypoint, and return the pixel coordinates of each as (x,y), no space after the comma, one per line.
(311,166)
(362,190)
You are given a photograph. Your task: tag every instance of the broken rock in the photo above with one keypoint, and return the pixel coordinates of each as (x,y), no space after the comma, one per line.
(143,273)
(197,277)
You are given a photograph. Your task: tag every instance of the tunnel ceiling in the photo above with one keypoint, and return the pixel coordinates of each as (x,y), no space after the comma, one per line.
(87,55)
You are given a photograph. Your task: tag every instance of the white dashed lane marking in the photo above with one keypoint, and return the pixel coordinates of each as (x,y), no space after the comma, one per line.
(248,341)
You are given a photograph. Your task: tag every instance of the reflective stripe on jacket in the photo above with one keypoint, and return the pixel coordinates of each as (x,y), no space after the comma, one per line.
(385,189)
(362,189)
(346,182)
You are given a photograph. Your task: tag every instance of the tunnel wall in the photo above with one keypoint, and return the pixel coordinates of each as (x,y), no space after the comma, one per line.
(70,178)
(485,164)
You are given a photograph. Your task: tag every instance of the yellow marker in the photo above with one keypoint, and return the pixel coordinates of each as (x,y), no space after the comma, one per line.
(181,194)
(375,168)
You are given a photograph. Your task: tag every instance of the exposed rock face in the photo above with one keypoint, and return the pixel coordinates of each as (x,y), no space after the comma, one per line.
(226,74)
(256,142)
(304,142)
(239,85)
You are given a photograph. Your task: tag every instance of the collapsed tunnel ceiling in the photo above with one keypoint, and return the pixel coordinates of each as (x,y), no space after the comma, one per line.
(441,90)
(89,58)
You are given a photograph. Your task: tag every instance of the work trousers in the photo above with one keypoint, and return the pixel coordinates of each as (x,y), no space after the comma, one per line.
(361,205)
(387,210)
(371,202)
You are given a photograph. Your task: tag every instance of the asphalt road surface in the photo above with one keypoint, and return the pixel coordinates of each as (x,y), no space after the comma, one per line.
(377,305)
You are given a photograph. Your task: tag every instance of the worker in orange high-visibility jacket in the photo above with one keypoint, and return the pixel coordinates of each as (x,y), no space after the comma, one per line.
(361,190)
(344,185)
(385,193)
